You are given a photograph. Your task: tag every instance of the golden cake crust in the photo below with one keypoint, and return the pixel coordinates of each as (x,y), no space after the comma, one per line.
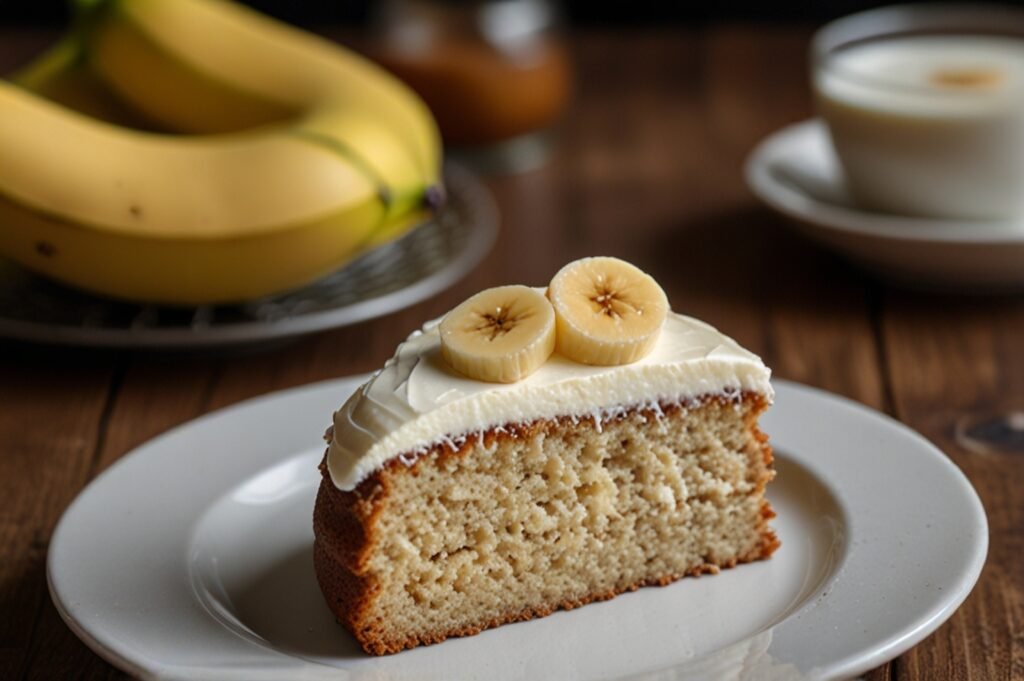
(345,526)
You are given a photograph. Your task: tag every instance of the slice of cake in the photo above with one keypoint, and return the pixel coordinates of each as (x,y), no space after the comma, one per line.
(541,449)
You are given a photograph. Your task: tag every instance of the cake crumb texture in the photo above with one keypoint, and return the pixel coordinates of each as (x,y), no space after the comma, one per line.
(529,518)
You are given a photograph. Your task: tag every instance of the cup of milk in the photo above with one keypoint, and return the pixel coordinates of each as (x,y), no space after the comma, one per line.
(925,108)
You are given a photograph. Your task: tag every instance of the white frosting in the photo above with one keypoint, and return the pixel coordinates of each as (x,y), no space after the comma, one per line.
(416,400)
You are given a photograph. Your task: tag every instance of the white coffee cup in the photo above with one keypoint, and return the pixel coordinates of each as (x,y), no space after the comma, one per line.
(925,107)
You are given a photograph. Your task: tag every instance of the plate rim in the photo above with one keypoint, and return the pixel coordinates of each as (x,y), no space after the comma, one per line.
(810,210)
(860,663)
(854,663)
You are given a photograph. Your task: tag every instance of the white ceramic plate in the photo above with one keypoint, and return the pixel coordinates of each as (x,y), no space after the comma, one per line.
(795,171)
(191,559)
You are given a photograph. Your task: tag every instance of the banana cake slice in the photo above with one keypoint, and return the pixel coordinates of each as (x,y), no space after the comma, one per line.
(541,449)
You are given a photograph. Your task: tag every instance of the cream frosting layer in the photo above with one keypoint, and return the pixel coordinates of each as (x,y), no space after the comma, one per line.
(416,401)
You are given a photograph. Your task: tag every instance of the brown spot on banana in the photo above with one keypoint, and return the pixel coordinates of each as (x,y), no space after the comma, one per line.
(46,249)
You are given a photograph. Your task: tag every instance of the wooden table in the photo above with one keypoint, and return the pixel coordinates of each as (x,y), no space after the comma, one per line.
(649,169)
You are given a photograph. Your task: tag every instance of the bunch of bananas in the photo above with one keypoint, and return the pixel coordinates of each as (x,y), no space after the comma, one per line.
(194,151)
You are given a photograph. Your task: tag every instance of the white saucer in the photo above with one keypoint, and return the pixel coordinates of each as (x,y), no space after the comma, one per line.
(191,559)
(795,171)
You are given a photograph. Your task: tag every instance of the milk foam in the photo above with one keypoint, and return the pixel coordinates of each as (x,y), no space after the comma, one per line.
(927,76)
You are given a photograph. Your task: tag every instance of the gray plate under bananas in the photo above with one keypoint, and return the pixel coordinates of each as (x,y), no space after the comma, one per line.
(427,260)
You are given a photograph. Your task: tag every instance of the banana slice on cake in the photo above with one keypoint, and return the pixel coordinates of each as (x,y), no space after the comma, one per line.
(607,311)
(500,335)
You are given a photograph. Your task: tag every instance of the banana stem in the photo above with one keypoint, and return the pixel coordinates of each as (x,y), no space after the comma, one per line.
(41,69)
(88,14)
(67,51)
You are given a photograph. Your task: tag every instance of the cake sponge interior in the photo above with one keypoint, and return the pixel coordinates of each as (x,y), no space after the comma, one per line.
(521,520)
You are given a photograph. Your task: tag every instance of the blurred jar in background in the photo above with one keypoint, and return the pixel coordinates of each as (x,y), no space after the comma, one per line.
(495,73)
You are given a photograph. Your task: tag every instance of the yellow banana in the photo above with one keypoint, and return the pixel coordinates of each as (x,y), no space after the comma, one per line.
(164,56)
(159,218)
(252,206)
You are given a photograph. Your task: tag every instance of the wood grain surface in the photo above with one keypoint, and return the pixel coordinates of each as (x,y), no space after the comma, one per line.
(648,168)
